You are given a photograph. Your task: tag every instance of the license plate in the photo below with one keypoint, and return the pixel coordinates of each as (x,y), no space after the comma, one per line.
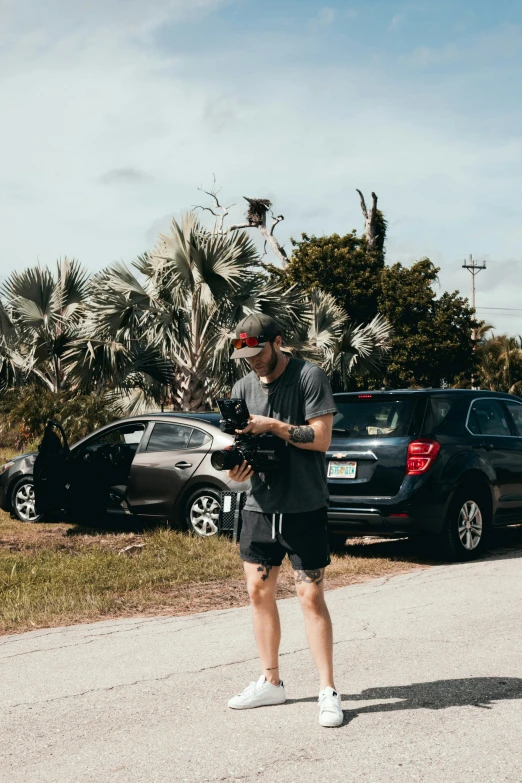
(345,470)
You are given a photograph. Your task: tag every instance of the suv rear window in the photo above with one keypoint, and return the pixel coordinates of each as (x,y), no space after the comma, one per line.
(374,416)
(437,412)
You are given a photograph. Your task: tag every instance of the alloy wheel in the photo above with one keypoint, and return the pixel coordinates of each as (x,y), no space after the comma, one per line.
(24,503)
(204,516)
(470,525)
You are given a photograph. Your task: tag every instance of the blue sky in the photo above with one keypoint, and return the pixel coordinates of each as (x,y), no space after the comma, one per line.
(116,110)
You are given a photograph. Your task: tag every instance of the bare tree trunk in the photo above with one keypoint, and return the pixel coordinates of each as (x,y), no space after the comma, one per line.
(256,218)
(370,219)
(190,391)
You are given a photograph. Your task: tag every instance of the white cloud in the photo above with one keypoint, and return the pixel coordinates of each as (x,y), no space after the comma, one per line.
(326,15)
(56,18)
(397,21)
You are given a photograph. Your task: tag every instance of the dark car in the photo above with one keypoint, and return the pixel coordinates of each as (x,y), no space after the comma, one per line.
(156,466)
(444,462)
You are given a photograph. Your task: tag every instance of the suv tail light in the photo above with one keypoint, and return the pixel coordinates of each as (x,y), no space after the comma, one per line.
(421,456)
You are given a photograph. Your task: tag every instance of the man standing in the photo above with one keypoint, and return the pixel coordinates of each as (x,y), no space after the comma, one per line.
(286,510)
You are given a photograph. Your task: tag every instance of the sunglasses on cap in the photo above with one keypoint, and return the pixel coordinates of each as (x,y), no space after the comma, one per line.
(250,342)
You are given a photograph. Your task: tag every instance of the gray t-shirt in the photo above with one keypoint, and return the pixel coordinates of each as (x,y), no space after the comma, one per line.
(301,394)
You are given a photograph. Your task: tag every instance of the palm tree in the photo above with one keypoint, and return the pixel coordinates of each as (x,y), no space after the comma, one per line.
(331,340)
(181,304)
(39,320)
(500,363)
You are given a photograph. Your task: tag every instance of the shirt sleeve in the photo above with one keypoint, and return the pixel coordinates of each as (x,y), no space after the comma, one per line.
(318,396)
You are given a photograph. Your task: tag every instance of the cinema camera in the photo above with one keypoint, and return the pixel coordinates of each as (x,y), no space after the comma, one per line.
(261,452)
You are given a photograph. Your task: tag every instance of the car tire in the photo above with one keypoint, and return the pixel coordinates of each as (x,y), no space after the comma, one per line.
(23,501)
(467,528)
(201,512)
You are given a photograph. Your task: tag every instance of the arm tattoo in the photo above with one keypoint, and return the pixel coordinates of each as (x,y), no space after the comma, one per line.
(302,434)
(310,577)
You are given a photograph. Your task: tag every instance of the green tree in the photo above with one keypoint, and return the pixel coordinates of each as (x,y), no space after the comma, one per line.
(342,266)
(500,363)
(432,338)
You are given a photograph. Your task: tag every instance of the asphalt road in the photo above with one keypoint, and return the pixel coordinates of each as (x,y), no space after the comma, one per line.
(429,665)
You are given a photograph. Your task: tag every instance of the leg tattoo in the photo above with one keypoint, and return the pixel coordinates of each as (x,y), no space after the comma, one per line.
(315,576)
(266,568)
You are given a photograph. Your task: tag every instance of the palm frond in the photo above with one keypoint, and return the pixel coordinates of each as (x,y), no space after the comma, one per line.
(70,289)
(30,294)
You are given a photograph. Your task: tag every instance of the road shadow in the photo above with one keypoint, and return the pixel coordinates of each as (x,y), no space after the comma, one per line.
(504,543)
(479,692)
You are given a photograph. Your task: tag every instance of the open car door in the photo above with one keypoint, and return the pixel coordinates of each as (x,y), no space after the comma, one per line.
(51,470)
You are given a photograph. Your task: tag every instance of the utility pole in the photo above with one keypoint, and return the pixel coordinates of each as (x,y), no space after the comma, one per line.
(474,268)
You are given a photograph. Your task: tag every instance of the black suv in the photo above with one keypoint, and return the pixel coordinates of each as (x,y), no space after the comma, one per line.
(445,462)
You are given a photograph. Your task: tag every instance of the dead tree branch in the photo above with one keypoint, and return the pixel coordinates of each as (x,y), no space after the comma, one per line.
(256,218)
(369,219)
(220,216)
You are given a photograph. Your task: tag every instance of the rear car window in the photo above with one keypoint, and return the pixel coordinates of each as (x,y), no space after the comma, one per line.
(515,409)
(370,416)
(198,438)
(437,412)
(486,417)
(169,437)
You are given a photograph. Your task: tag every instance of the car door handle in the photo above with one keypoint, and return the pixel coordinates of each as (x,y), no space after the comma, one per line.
(486,446)
(183,465)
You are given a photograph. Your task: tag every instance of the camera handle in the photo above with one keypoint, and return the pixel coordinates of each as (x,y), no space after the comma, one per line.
(237,511)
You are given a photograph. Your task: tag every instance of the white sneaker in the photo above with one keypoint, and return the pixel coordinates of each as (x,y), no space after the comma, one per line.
(258,694)
(330,712)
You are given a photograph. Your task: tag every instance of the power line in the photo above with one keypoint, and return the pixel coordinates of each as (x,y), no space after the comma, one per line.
(512,309)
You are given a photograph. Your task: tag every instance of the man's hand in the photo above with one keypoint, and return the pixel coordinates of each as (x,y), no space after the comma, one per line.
(241,472)
(257,425)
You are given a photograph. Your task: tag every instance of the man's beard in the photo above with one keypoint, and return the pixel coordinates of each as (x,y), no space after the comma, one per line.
(270,365)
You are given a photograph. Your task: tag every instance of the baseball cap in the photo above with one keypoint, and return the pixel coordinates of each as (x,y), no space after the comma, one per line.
(257,329)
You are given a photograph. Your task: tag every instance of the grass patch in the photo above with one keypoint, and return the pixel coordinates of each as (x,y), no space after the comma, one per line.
(87,580)
(57,574)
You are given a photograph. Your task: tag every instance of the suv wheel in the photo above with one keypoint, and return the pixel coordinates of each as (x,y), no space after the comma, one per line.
(467,526)
(23,502)
(202,512)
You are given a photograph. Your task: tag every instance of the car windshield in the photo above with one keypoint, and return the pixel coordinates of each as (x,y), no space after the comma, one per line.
(369,416)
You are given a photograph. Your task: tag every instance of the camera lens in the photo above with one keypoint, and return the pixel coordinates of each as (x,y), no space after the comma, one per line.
(226,459)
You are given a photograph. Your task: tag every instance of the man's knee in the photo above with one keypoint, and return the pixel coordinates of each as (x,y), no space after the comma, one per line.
(310,589)
(261,583)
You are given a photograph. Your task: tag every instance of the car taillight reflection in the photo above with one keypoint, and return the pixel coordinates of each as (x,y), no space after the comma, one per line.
(421,456)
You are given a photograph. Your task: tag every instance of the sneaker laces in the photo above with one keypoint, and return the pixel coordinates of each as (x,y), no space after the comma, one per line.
(252,686)
(328,701)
